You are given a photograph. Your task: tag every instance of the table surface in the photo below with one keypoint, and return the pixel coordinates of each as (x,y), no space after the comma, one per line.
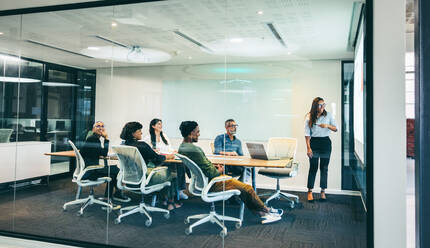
(233,161)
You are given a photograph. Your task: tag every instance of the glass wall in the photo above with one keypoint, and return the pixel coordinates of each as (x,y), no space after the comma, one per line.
(147,105)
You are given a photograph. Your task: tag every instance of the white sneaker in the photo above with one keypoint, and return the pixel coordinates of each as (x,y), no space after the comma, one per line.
(270,218)
(182,195)
(275,211)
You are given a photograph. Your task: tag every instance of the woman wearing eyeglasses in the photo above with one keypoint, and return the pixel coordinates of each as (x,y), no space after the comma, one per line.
(318,126)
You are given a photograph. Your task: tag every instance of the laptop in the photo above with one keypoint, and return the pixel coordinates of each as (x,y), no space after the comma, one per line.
(257,151)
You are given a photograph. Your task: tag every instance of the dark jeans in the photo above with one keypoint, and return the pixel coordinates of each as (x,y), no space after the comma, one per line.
(321,149)
(107,171)
(235,171)
(180,175)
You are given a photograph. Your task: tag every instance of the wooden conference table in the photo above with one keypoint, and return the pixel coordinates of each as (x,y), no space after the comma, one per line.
(215,159)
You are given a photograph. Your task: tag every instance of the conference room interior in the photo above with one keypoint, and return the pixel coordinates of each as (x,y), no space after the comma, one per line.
(260,63)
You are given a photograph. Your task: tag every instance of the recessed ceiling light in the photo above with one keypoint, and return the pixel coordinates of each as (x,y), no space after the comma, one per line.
(1,33)
(289,53)
(236,40)
(260,12)
(114,24)
(93,48)
(189,57)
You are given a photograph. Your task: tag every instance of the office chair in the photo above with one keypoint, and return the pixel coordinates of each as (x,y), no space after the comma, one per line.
(132,177)
(199,186)
(5,135)
(77,178)
(281,148)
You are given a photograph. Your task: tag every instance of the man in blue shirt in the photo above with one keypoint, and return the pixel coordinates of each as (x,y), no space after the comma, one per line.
(229,145)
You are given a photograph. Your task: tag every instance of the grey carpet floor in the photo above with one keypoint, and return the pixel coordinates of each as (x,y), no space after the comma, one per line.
(338,222)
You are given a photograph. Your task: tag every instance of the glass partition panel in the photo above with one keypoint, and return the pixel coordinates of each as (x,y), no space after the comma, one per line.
(9,125)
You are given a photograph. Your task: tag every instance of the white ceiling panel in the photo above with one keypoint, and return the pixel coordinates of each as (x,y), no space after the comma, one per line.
(311,30)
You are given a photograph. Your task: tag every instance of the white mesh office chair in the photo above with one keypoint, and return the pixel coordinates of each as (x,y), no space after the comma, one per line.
(132,177)
(77,178)
(199,186)
(281,148)
(5,135)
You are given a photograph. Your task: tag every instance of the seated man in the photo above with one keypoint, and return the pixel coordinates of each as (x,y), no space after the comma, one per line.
(97,145)
(191,132)
(228,144)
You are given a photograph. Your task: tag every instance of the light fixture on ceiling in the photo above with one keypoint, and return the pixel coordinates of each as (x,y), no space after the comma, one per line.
(1,33)
(194,41)
(18,80)
(275,33)
(189,57)
(93,48)
(9,58)
(56,48)
(236,40)
(59,84)
(249,47)
(114,24)
(125,53)
(132,54)
(260,12)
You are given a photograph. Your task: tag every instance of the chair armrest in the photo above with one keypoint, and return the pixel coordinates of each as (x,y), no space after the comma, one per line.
(227,194)
(89,168)
(156,169)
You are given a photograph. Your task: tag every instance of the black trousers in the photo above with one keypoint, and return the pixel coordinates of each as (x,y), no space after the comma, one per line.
(181,170)
(321,149)
(107,171)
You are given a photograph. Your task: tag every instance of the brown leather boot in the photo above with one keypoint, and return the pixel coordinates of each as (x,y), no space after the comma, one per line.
(310,196)
(323,197)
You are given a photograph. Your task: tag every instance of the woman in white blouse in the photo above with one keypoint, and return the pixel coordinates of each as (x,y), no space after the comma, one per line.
(318,126)
(161,144)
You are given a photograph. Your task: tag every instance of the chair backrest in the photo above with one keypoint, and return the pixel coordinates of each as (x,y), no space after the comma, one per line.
(5,135)
(131,165)
(282,147)
(80,163)
(198,180)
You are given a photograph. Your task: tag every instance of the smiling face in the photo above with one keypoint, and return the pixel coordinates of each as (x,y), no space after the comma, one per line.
(99,128)
(321,107)
(158,127)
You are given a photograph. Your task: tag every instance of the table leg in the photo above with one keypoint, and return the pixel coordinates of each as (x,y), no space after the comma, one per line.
(253,179)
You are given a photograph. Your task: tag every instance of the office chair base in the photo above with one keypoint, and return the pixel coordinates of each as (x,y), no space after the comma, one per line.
(279,194)
(212,217)
(143,209)
(90,200)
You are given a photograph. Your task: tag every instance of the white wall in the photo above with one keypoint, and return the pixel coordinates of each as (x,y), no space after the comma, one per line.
(135,94)
(389,124)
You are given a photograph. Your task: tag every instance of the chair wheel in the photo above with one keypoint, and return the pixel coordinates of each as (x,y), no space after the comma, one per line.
(238,225)
(117,221)
(188,231)
(64,209)
(167,216)
(223,233)
(187,221)
(79,213)
(148,223)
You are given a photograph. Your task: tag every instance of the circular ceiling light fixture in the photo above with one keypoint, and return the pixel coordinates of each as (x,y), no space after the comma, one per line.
(134,54)
(249,47)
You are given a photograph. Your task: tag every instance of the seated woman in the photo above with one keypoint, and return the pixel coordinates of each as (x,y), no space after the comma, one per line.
(161,144)
(131,134)
(191,132)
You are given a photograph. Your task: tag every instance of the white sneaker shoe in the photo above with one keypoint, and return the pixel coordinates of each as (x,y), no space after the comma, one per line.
(275,211)
(182,195)
(270,218)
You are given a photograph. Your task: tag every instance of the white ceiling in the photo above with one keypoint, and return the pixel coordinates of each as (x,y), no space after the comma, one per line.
(20,4)
(312,30)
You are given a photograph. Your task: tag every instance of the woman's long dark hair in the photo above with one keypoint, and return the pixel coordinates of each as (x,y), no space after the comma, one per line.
(152,133)
(129,129)
(313,113)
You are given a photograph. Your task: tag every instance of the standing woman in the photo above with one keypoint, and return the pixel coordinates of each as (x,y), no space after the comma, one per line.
(318,126)
(161,144)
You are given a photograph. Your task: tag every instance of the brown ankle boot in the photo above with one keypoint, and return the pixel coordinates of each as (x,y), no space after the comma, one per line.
(323,197)
(310,197)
